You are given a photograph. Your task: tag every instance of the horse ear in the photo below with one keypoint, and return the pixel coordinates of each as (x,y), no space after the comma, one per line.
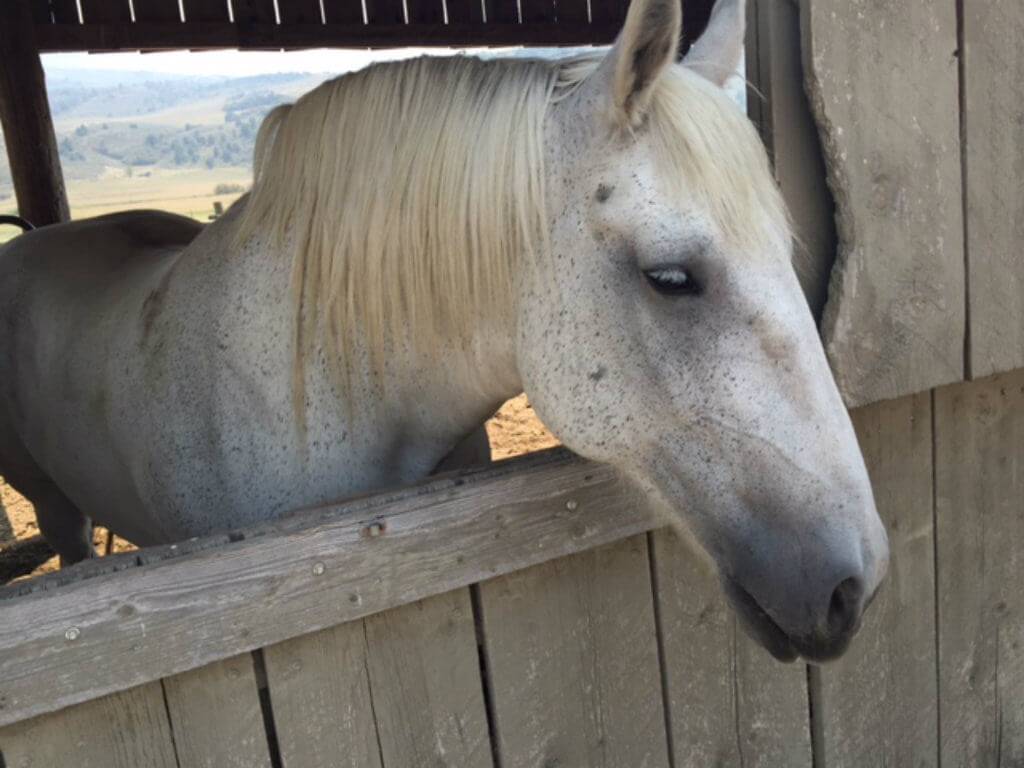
(716,55)
(648,42)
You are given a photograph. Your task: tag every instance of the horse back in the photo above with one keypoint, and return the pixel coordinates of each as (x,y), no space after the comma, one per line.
(103,242)
(72,301)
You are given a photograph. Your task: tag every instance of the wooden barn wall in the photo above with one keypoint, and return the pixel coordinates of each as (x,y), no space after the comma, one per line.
(993,135)
(884,84)
(920,111)
(105,25)
(626,654)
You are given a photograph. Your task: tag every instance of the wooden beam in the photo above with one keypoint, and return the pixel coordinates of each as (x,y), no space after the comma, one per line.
(84,639)
(27,125)
(54,38)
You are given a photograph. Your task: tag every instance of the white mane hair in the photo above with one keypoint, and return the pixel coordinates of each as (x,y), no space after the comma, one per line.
(407,193)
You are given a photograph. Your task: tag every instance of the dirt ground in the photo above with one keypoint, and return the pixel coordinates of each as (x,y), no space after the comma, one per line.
(514,430)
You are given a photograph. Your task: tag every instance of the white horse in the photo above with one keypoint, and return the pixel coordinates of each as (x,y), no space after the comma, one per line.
(424,240)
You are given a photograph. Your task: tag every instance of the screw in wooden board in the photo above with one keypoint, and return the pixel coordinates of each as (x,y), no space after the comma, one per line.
(373,530)
(72,634)
(571,505)
(319,569)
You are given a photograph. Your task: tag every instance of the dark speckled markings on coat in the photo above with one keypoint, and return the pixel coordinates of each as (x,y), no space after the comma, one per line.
(153,304)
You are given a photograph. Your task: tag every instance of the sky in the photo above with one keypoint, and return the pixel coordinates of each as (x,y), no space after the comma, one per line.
(228,63)
(242,63)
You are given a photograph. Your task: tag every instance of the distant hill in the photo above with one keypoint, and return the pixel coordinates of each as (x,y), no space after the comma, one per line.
(117,124)
(130,123)
(96,95)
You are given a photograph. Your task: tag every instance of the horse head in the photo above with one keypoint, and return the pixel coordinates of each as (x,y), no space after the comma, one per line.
(666,333)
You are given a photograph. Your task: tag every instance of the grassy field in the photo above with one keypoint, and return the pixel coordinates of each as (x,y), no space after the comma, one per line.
(189,192)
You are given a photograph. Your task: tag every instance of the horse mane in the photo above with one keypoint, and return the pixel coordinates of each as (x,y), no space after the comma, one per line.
(407,193)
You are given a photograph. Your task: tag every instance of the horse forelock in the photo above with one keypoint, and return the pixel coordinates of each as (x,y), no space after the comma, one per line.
(715,157)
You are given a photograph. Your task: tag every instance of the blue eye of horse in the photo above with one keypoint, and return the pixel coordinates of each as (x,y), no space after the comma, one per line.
(672,281)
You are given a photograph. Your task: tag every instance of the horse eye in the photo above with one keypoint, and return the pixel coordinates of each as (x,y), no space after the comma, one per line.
(673,281)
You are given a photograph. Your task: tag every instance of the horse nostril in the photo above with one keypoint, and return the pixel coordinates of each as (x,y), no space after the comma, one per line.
(844,609)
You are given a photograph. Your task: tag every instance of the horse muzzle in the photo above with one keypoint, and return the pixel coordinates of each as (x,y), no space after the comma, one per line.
(816,620)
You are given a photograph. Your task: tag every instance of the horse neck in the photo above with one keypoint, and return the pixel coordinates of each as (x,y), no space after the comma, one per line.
(445,393)
(424,401)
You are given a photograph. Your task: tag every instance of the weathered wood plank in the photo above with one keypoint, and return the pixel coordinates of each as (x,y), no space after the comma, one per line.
(55,11)
(205,10)
(883,83)
(696,14)
(343,12)
(729,702)
(573,661)
(318,569)
(128,729)
(27,125)
(216,716)
(425,678)
(425,11)
(157,10)
(299,11)
(979,470)
(572,11)
(609,12)
(993,113)
(537,11)
(385,12)
(199,36)
(778,103)
(249,12)
(99,11)
(465,11)
(40,11)
(501,12)
(879,702)
(64,11)
(320,694)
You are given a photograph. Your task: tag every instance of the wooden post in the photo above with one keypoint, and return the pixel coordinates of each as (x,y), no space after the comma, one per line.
(27,125)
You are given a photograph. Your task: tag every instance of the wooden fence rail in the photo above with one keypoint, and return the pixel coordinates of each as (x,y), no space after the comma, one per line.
(520,616)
